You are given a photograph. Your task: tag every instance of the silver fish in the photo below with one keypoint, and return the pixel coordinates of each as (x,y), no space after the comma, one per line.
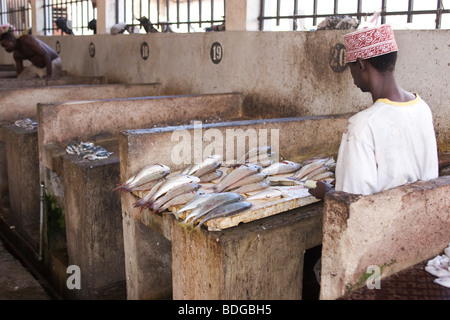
(194,203)
(179,200)
(236,175)
(255,152)
(247,180)
(281,167)
(314,173)
(147,174)
(216,200)
(443,281)
(306,169)
(323,176)
(225,210)
(269,193)
(149,195)
(172,193)
(252,187)
(210,164)
(169,183)
(216,174)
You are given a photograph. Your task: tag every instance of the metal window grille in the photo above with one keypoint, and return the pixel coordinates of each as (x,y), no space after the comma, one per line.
(17,13)
(274,13)
(173,15)
(66,17)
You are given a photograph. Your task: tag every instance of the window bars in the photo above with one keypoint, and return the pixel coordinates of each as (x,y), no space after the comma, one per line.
(173,15)
(17,13)
(291,11)
(67,17)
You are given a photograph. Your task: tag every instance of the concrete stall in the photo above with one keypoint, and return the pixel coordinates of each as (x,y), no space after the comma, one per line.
(388,232)
(15,83)
(19,161)
(81,191)
(258,260)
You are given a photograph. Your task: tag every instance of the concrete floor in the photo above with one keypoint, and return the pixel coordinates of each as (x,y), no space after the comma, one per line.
(16,281)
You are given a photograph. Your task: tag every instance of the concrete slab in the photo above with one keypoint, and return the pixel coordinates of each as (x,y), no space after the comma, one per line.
(391,230)
(223,264)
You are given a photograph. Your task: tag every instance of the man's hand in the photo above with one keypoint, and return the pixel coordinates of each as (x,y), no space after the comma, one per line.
(320,190)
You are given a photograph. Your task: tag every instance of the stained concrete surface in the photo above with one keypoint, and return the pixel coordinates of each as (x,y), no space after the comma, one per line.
(16,281)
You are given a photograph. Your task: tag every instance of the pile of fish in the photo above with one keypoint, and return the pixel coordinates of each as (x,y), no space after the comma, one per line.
(206,170)
(26,123)
(88,151)
(204,191)
(210,206)
(439,267)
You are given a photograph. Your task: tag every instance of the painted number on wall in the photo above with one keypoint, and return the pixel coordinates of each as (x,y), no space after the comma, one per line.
(216,52)
(58,47)
(337,58)
(145,51)
(92,49)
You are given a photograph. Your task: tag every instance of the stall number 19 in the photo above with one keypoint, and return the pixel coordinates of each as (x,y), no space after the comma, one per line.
(216,52)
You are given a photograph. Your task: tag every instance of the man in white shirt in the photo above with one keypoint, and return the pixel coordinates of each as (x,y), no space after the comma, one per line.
(392,142)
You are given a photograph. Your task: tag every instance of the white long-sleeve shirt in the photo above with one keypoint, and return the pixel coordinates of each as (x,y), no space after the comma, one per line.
(386,146)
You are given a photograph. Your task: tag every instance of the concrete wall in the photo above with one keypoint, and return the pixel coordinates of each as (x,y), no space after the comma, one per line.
(289,72)
(392,230)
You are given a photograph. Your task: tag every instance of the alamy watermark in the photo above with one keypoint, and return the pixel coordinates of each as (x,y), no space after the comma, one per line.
(74,280)
(231,144)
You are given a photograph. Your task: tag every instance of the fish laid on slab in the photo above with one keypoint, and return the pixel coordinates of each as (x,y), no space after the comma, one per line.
(146,175)
(214,201)
(194,203)
(307,169)
(225,210)
(180,200)
(253,178)
(252,187)
(174,192)
(236,175)
(268,194)
(281,167)
(169,183)
(208,177)
(208,165)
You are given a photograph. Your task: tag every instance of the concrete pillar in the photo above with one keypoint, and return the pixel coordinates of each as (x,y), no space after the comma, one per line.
(242,15)
(106,16)
(37,17)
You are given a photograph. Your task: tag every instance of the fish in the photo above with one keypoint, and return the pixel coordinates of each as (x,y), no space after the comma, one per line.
(183,188)
(314,173)
(437,272)
(247,180)
(172,182)
(322,176)
(255,152)
(162,188)
(148,196)
(145,175)
(179,200)
(443,281)
(281,167)
(269,193)
(225,210)
(211,163)
(252,187)
(306,169)
(214,201)
(194,203)
(208,177)
(236,175)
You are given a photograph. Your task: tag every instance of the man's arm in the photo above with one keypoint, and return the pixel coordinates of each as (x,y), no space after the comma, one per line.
(19,63)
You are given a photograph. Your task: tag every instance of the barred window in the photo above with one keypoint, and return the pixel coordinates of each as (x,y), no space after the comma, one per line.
(17,13)
(284,15)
